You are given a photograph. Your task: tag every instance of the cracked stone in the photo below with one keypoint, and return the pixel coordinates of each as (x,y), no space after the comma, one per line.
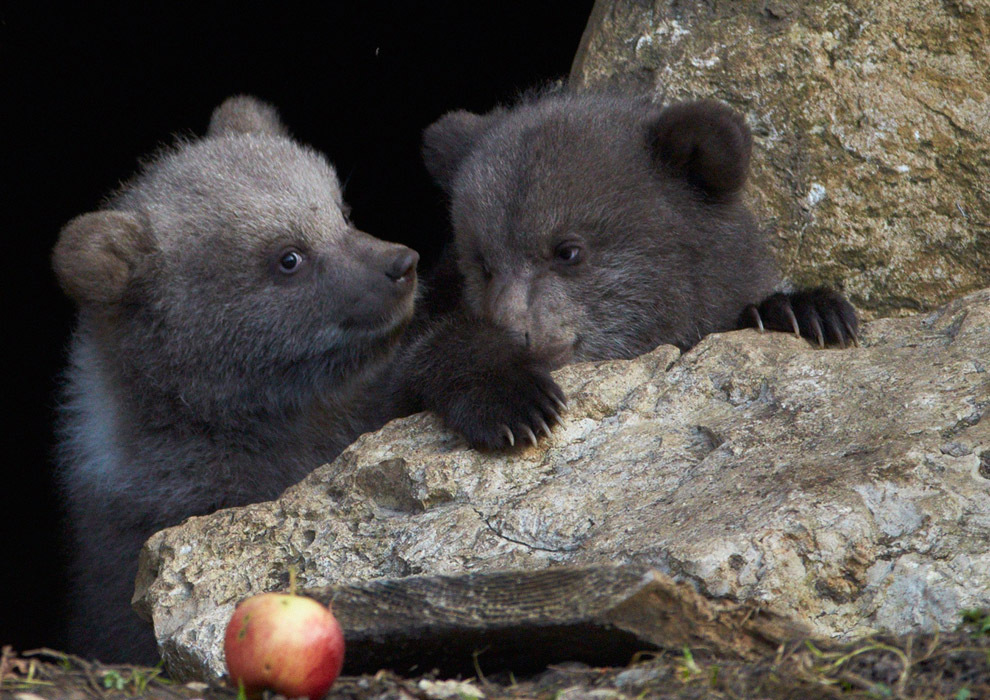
(829,500)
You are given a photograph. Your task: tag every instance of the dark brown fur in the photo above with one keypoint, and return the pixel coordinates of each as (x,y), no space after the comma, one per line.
(591,227)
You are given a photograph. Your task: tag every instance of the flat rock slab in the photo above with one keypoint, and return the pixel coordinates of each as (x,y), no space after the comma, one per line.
(526,620)
(846,489)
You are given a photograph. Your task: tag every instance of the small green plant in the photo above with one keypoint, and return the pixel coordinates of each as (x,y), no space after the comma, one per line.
(141,679)
(689,668)
(977,622)
(112,680)
(135,683)
(713,676)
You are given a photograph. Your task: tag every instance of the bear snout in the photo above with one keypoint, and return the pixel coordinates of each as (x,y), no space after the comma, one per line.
(403,266)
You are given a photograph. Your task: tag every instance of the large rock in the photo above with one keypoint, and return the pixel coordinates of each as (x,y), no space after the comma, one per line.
(872,125)
(848,489)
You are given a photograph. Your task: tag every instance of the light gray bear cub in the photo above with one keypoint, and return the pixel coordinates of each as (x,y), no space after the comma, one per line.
(232,330)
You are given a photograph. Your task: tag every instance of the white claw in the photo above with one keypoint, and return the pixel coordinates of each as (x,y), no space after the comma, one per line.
(562,405)
(508,435)
(838,333)
(794,323)
(818,332)
(546,428)
(852,333)
(556,416)
(759,321)
(530,434)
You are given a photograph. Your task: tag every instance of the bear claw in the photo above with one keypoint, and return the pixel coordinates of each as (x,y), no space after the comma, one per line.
(508,435)
(530,435)
(821,315)
(543,424)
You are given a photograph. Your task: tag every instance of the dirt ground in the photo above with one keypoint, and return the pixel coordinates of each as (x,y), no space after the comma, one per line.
(954,666)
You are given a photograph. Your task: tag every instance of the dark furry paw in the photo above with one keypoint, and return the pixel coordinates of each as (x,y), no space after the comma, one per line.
(481,381)
(821,315)
(498,407)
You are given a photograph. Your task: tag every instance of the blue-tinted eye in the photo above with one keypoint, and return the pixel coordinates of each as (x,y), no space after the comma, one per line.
(290,261)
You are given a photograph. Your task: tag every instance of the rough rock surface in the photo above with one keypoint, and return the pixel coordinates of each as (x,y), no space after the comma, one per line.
(848,489)
(526,620)
(872,126)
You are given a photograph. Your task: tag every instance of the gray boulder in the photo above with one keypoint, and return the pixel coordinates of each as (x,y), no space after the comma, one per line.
(871,123)
(848,490)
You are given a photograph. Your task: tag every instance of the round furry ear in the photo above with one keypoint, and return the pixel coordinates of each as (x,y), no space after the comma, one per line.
(704,142)
(447,142)
(243,114)
(96,255)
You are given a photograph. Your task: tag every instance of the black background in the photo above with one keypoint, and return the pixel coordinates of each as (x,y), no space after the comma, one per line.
(88,91)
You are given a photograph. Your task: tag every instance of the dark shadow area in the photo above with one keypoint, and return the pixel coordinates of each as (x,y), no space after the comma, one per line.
(525,650)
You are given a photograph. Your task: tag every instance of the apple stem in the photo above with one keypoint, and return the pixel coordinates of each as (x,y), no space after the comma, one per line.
(292,579)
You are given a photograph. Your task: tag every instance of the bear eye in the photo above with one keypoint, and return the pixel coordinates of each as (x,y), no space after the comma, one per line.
(290,261)
(569,253)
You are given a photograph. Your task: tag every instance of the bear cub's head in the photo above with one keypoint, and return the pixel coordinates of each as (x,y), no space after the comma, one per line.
(598,227)
(226,274)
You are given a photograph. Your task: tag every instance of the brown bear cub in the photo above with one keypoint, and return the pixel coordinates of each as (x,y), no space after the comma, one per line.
(232,334)
(589,227)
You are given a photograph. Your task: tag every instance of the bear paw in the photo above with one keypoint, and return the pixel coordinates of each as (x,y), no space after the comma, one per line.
(481,381)
(506,406)
(821,315)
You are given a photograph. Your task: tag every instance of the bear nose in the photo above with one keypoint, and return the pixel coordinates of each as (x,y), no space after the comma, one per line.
(403,263)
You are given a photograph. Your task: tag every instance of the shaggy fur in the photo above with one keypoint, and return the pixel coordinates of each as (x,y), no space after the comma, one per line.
(232,333)
(591,227)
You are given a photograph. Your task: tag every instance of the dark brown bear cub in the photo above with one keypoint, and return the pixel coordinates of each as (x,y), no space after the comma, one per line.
(232,330)
(592,227)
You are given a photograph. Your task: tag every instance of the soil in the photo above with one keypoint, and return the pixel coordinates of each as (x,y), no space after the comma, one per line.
(954,666)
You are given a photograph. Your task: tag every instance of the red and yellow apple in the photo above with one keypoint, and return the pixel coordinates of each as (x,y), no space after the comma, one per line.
(287,643)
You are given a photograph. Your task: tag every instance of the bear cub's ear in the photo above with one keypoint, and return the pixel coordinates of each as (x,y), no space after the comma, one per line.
(96,255)
(447,142)
(704,142)
(243,114)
